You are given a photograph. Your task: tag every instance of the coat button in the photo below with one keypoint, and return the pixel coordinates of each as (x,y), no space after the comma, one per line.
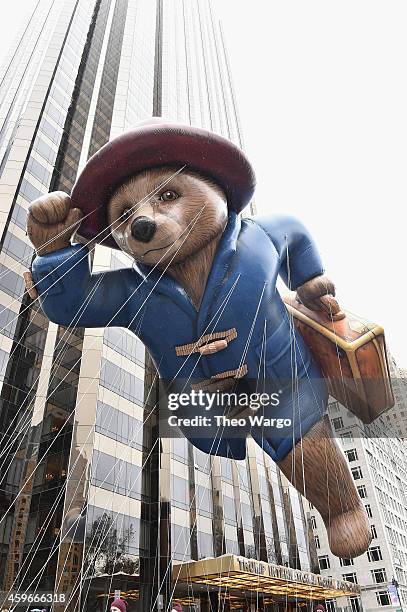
(213,347)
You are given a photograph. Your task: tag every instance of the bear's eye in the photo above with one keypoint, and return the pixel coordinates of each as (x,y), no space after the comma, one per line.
(125,214)
(168,195)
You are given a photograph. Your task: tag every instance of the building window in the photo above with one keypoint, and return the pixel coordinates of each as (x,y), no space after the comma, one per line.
(334,407)
(29,192)
(330,605)
(204,500)
(181,537)
(37,170)
(179,448)
(337,423)
(383,598)
(16,248)
(247,518)
(357,472)
(232,546)
(368,510)
(346,437)
(313,522)
(317,543)
(180,491)
(19,216)
(45,150)
(373,531)
(119,425)
(8,323)
(226,469)
(229,511)
(127,531)
(324,562)
(122,342)
(379,575)
(351,454)
(11,283)
(205,545)
(354,603)
(374,553)
(114,474)
(122,382)
(362,491)
(350,577)
(345,562)
(201,460)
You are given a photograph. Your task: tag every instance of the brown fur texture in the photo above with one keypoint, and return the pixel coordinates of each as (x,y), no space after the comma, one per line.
(329,487)
(192,273)
(188,228)
(318,294)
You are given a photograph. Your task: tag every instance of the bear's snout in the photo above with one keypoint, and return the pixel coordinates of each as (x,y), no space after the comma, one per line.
(143,229)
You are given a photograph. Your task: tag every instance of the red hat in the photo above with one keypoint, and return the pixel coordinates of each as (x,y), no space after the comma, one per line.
(151,144)
(177,607)
(119,603)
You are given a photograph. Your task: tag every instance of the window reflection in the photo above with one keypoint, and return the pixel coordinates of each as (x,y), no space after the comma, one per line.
(119,425)
(114,541)
(116,475)
(16,248)
(125,343)
(121,382)
(181,542)
(180,492)
(205,545)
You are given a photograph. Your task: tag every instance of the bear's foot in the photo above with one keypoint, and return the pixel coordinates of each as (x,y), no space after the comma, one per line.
(349,533)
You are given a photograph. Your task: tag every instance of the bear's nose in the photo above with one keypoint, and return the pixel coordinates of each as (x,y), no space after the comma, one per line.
(143,229)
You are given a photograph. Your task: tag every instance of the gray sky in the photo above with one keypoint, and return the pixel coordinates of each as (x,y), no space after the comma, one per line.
(322,95)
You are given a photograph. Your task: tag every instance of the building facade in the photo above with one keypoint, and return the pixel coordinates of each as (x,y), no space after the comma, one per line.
(378,462)
(396,417)
(92,501)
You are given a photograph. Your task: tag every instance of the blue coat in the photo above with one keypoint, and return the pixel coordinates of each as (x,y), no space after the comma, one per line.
(240,294)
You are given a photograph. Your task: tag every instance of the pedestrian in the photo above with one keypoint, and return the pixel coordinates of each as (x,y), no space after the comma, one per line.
(118,605)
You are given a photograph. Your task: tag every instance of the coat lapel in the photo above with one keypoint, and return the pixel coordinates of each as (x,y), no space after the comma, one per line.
(220,281)
(158,282)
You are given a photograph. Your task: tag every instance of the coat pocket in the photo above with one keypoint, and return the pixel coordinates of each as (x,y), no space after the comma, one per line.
(275,366)
(285,356)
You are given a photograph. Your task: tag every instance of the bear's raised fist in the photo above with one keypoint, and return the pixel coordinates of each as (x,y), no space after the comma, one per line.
(51,222)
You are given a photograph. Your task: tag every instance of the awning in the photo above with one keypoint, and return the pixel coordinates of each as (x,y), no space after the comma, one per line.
(240,574)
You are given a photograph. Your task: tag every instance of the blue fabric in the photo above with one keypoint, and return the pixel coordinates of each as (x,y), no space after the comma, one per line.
(241,289)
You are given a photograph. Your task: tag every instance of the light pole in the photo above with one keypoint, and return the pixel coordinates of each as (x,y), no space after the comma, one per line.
(396,585)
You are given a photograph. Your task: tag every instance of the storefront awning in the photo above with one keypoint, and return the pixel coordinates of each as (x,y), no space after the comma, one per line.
(240,574)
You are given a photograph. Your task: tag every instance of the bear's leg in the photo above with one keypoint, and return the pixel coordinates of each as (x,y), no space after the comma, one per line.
(329,487)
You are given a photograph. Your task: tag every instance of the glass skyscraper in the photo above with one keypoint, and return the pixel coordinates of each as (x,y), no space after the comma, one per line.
(92,501)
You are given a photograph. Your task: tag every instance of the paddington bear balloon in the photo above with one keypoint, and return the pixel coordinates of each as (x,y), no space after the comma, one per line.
(202,294)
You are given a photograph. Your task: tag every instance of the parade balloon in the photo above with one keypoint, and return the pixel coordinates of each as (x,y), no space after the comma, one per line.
(202,297)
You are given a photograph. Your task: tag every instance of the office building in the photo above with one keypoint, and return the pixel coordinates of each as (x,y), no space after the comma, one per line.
(378,462)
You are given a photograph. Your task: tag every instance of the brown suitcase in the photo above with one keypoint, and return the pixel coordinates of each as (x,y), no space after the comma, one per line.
(351,353)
